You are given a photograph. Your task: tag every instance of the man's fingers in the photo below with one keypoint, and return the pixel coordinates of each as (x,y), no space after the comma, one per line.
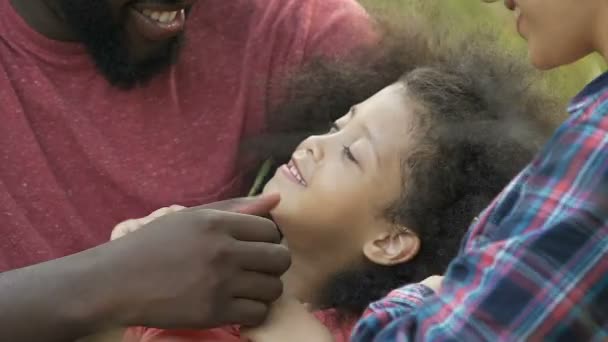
(260,206)
(257,286)
(244,227)
(124,228)
(246,312)
(166,210)
(132,225)
(270,258)
(227,205)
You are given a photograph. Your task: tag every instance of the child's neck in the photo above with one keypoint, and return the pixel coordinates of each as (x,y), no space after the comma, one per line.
(305,278)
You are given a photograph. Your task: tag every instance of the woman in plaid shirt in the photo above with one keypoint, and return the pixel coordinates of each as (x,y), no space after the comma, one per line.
(535,264)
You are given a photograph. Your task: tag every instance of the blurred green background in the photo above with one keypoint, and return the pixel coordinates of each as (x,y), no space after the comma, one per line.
(461,17)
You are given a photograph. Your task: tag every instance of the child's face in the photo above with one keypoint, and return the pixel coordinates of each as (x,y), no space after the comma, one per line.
(559,32)
(335,188)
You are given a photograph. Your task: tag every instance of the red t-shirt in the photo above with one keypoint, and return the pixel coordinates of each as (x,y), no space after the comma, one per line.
(77,155)
(341,333)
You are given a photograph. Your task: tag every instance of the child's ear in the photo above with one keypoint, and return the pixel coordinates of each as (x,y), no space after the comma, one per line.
(393,247)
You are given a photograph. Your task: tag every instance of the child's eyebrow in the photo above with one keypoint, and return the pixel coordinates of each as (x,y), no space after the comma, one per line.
(352,113)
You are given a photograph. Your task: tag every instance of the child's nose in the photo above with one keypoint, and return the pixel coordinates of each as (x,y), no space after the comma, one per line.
(312,148)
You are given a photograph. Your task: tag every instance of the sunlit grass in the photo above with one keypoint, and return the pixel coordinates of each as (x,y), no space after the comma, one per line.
(462,17)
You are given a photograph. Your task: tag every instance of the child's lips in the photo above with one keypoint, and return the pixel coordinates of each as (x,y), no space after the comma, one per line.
(292,172)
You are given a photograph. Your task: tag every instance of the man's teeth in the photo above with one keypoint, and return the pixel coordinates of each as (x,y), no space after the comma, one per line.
(295,173)
(164,17)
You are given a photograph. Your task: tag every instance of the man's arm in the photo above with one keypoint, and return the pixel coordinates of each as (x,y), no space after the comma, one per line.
(59,300)
(540,271)
(197,268)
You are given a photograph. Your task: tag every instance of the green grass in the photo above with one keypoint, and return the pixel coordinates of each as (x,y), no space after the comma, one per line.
(464,16)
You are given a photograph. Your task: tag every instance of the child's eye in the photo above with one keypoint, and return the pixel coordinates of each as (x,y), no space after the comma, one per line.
(348,153)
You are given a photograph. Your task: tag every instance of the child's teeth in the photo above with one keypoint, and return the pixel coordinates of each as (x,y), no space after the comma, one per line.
(295,173)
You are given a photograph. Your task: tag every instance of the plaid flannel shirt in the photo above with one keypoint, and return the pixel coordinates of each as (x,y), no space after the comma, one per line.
(534,266)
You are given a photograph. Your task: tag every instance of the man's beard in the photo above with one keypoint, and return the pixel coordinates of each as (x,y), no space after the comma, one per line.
(93,23)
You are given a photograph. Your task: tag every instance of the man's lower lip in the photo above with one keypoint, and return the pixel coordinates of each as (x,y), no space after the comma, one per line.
(154,30)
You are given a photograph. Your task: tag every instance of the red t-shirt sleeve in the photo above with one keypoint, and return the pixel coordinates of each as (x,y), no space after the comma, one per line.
(300,31)
(140,334)
(303,30)
(341,332)
(337,27)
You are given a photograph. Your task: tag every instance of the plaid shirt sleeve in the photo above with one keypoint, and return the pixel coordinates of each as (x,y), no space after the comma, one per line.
(535,265)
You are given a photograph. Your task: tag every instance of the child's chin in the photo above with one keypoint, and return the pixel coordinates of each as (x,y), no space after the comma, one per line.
(281,217)
(278,214)
(271,187)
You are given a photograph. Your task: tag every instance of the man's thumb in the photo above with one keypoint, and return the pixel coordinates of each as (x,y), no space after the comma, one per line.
(260,206)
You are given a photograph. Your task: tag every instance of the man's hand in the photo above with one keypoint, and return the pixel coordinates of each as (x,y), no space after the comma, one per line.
(200,268)
(190,269)
(243,205)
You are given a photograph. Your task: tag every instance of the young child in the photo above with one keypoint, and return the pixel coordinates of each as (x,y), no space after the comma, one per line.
(383,198)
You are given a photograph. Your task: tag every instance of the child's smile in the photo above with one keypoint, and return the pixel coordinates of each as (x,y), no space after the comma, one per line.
(292,171)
